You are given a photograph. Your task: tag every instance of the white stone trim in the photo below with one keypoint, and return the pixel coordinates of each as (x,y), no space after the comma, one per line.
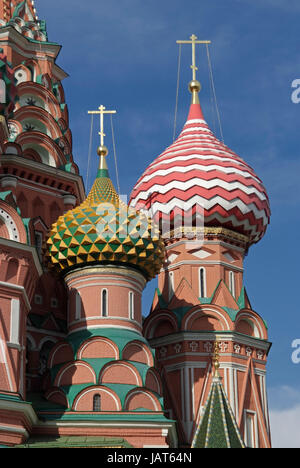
(26,248)
(17,288)
(199,336)
(87,327)
(203,262)
(110,317)
(15,321)
(101,340)
(76,364)
(139,391)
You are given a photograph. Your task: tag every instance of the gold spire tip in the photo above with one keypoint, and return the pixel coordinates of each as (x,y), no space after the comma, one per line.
(102,150)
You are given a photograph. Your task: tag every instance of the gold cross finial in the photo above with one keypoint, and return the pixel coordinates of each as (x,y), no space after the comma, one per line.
(193,41)
(102,110)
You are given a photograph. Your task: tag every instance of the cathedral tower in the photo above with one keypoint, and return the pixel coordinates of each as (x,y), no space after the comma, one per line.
(211,207)
(38,181)
(106,253)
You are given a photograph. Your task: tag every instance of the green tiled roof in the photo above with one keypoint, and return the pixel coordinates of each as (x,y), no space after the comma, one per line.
(74,442)
(217,428)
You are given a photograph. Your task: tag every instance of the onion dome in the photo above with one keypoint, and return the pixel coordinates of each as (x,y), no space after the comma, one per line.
(198,175)
(8,89)
(103,229)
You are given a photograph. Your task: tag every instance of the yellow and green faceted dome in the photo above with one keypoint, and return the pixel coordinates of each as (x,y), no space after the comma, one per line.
(103,229)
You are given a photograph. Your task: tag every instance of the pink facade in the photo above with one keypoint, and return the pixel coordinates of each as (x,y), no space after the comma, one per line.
(76,354)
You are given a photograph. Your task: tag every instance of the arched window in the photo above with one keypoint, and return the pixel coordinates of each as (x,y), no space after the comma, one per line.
(104,303)
(97,403)
(202,282)
(171,285)
(38,236)
(131,305)
(77,306)
(232,283)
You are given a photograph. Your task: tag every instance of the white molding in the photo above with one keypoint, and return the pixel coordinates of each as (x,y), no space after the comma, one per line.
(14,429)
(232,283)
(77,364)
(26,248)
(106,273)
(20,407)
(209,309)
(202,262)
(41,189)
(100,339)
(92,327)
(214,336)
(10,37)
(104,284)
(13,231)
(45,169)
(138,392)
(3,349)
(254,428)
(15,316)
(131,305)
(236,392)
(205,242)
(110,317)
(18,288)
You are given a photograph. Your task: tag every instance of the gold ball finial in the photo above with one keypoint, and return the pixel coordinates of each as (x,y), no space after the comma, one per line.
(194,85)
(102,150)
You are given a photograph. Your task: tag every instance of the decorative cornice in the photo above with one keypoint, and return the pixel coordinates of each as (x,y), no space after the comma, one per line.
(210,336)
(206,232)
(26,248)
(14,160)
(9,36)
(104,270)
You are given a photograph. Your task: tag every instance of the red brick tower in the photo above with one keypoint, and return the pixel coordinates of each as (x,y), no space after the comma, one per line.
(38,182)
(211,208)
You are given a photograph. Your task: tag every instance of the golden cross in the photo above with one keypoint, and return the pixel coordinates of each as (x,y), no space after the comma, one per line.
(193,41)
(102,110)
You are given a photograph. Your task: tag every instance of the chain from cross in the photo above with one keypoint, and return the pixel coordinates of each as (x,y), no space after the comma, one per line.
(102,110)
(193,41)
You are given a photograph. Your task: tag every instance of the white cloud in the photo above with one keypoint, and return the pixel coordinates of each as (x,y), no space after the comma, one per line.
(285,428)
(285,416)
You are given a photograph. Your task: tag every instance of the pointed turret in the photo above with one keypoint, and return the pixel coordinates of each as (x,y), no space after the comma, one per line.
(218,427)
(211,208)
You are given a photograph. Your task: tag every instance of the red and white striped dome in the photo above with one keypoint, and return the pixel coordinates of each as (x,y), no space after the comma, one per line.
(199,174)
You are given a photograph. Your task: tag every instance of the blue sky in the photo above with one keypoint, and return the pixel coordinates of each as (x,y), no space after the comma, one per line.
(123,54)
